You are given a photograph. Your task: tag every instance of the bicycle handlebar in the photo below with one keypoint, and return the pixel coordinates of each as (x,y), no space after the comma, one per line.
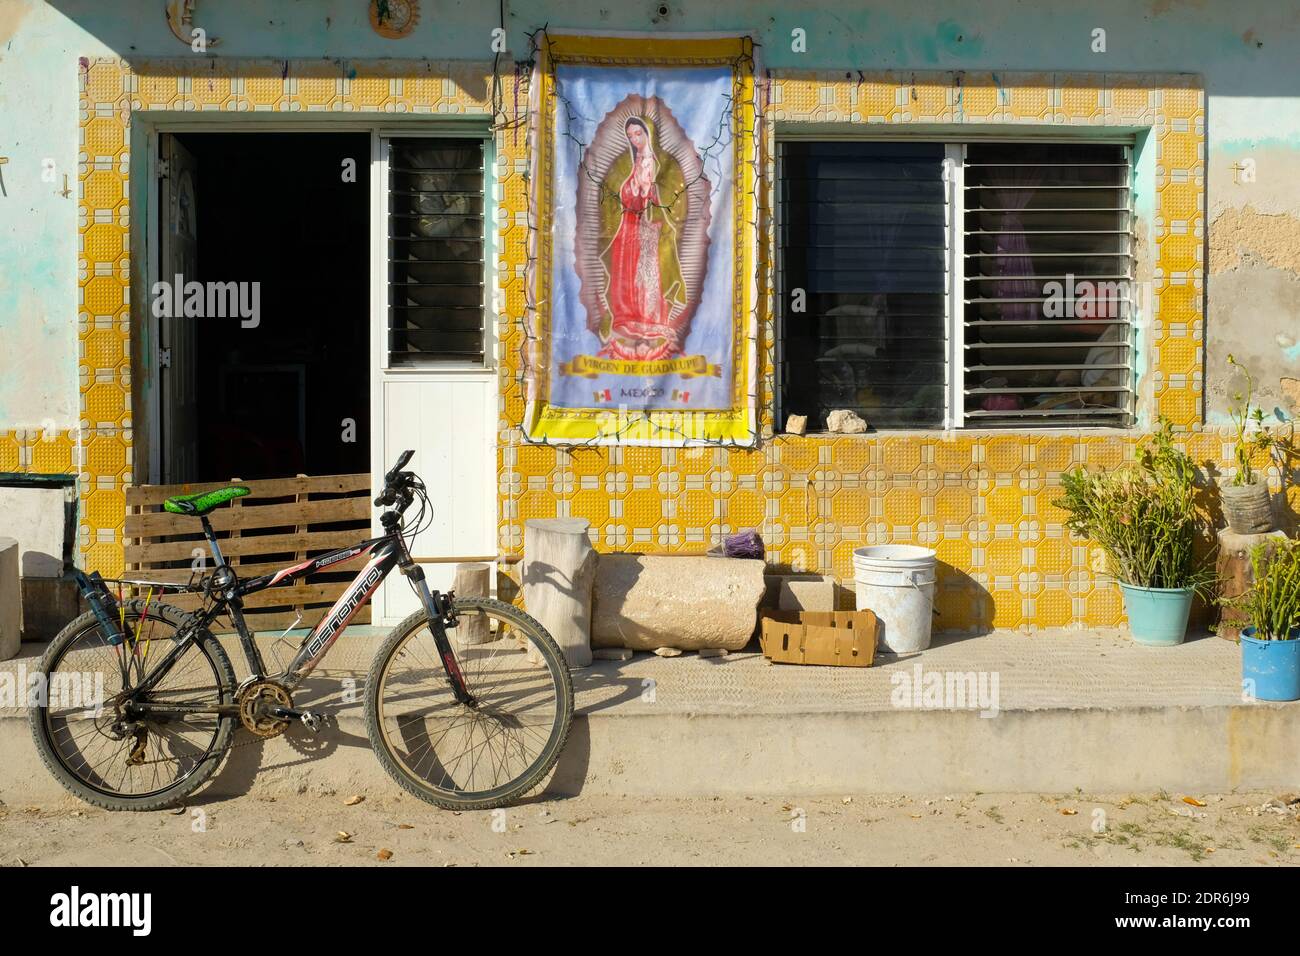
(389,495)
(402,459)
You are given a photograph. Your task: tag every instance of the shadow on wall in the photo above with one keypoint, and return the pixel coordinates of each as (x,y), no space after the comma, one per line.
(962,606)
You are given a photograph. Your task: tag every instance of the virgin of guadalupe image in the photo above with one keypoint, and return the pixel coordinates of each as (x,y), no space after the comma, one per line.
(644,296)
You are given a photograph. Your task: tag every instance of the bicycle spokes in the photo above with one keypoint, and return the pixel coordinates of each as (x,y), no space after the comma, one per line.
(111,740)
(476,747)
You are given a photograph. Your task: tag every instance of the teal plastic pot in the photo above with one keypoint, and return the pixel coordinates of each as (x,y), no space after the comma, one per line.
(1270,670)
(1157,617)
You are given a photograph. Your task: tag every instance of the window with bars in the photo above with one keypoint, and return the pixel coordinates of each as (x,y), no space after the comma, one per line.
(928,285)
(863,239)
(1047,249)
(435,251)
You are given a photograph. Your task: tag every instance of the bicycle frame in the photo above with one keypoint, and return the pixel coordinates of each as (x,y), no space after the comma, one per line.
(388,551)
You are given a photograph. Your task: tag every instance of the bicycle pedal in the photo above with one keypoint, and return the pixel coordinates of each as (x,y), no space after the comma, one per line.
(312,720)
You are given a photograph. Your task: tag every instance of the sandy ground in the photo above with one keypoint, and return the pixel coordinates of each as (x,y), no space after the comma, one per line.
(394,830)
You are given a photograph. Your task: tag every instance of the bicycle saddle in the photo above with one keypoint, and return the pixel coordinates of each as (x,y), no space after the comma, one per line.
(202,502)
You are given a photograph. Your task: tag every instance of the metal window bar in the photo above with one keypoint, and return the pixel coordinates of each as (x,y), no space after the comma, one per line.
(1034,353)
(436,238)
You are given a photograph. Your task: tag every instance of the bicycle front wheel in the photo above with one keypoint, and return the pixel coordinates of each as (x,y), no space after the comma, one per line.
(481,755)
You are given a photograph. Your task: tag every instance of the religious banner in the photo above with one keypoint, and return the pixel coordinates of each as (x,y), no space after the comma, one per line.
(644,328)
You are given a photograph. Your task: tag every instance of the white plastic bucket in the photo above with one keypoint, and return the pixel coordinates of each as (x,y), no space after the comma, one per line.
(896,581)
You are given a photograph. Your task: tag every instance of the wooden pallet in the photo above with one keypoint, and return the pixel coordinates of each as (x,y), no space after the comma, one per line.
(282,522)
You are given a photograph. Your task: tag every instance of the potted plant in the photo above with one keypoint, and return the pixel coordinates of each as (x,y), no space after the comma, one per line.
(1270,646)
(1247,505)
(1145,520)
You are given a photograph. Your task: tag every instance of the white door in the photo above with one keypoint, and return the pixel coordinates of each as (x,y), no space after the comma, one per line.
(449,421)
(434,383)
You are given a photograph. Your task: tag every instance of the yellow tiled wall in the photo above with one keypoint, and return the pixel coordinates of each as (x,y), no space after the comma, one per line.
(981,499)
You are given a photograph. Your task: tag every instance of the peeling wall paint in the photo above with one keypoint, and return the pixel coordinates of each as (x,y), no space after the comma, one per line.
(1254,313)
(1246,236)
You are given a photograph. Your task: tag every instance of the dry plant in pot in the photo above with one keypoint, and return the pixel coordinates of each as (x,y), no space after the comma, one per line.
(1270,646)
(1146,522)
(1247,504)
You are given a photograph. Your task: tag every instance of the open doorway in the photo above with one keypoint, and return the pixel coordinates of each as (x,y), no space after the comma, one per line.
(280,386)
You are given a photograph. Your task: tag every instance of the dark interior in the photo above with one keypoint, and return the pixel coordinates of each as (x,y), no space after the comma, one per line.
(273,400)
(862,235)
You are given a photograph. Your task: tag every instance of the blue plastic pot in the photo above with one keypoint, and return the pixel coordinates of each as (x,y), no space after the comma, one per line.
(1272,666)
(1157,617)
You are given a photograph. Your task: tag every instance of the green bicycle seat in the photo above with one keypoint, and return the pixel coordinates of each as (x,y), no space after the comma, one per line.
(204,501)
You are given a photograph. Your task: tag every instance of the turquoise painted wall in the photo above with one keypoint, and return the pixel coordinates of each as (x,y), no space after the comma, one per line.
(1248,52)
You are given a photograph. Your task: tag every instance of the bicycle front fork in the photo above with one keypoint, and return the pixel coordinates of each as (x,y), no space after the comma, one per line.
(440,612)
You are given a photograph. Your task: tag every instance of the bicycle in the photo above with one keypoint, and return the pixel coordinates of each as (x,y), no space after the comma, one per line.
(172,715)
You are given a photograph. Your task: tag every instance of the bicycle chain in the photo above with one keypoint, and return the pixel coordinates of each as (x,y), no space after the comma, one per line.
(235,744)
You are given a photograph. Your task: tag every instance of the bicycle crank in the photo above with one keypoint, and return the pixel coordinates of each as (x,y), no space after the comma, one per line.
(261,704)
(310,719)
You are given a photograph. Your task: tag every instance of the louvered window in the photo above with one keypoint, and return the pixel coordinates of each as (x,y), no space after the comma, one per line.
(864,280)
(1048,261)
(928,285)
(435,248)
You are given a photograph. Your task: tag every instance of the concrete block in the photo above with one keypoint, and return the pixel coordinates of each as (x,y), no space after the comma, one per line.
(48,605)
(803,582)
(807,595)
(36,518)
(11,602)
(772,586)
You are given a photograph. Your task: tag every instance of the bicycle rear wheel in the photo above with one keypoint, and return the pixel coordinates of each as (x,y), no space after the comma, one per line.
(482,755)
(103,750)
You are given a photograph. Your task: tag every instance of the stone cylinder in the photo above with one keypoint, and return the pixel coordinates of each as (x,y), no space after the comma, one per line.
(473,579)
(646,602)
(1236,574)
(559,565)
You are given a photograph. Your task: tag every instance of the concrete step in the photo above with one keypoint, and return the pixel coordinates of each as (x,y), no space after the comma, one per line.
(1051,713)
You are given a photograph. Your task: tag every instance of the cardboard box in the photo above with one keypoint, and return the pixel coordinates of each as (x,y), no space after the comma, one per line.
(833,638)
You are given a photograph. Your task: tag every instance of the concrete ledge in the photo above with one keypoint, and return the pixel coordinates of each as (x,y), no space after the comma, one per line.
(1211,749)
(1090,711)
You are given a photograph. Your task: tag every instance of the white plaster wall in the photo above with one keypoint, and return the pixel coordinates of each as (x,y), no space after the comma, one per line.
(35,516)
